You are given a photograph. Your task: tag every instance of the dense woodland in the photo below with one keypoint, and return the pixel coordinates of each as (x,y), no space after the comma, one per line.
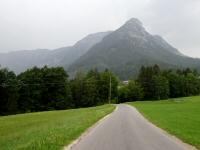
(43,89)
(155,84)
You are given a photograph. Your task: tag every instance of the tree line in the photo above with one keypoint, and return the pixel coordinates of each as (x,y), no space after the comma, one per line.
(43,89)
(153,83)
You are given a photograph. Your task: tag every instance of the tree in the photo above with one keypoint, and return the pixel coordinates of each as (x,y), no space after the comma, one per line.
(145,79)
(90,95)
(131,92)
(135,91)
(30,90)
(44,89)
(160,87)
(8,92)
(192,85)
(123,94)
(184,82)
(56,93)
(156,70)
(91,88)
(107,78)
(176,84)
(77,89)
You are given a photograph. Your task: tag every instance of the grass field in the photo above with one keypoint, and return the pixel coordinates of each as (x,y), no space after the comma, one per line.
(180,117)
(47,130)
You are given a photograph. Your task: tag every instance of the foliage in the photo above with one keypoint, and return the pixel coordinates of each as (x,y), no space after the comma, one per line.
(176,84)
(8,92)
(93,88)
(44,89)
(131,92)
(145,78)
(30,90)
(123,94)
(41,89)
(77,89)
(159,84)
(160,87)
(106,78)
(135,91)
(56,93)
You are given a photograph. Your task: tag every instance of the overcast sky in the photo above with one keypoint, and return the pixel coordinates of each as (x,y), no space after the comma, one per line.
(32,24)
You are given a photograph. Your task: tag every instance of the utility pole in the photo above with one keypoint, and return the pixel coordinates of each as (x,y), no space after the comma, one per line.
(110,90)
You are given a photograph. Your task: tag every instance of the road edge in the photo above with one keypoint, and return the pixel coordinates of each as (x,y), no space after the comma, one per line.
(176,139)
(85,133)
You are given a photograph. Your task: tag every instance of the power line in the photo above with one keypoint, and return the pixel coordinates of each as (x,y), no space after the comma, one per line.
(47,83)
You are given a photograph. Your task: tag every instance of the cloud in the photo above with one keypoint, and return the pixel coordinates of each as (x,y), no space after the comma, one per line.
(31,24)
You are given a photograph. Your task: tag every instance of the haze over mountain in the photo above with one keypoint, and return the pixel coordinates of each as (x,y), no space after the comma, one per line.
(19,61)
(125,50)
(122,51)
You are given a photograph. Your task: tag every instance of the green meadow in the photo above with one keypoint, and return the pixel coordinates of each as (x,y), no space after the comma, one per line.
(180,117)
(50,130)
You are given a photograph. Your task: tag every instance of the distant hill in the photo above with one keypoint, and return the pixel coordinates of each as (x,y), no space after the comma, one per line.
(125,50)
(19,61)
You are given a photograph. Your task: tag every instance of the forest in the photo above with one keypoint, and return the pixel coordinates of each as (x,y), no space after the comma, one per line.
(44,89)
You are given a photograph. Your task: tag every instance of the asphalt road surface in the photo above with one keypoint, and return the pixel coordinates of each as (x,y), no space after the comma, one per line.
(126,129)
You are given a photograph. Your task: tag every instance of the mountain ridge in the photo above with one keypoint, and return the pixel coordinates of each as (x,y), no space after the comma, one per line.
(19,61)
(123,51)
(129,47)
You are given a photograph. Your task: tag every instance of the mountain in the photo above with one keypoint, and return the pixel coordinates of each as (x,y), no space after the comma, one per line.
(19,61)
(125,50)
(81,47)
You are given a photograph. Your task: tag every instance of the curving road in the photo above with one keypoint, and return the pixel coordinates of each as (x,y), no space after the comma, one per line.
(126,129)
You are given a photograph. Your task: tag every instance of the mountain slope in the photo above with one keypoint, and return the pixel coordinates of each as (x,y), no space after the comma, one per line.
(19,61)
(125,50)
(81,47)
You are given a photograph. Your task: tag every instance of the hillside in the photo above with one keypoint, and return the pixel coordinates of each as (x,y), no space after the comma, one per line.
(19,61)
(125,50)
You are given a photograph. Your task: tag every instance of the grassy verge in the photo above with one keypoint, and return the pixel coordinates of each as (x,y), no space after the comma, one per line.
(48,130)
(180,117)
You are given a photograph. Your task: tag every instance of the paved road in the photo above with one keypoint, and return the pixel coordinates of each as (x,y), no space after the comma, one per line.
(126,129)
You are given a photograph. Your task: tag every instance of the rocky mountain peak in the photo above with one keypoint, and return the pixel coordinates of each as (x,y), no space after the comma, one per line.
(133,22)
(133,28)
